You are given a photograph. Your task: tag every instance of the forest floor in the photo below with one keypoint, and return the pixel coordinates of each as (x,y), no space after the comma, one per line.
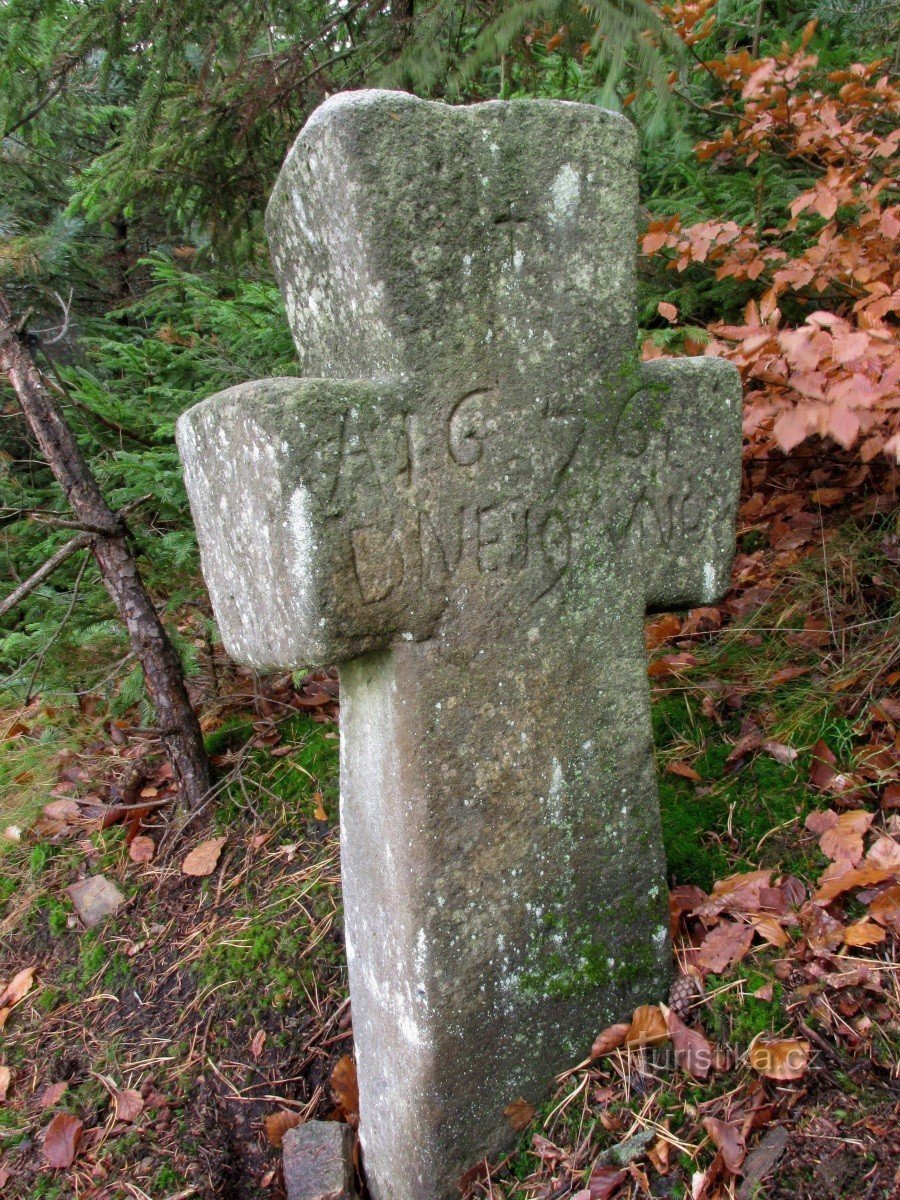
(163,1052)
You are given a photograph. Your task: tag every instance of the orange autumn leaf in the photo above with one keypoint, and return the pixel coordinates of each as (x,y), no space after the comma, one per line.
(782,1059)
(648,1027)
(863,933)
(610,1039)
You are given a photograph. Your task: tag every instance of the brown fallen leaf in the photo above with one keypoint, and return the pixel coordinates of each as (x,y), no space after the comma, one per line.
(684,770)
(62,810)
(693,1050)
(885,852)
(278,1123)
(822,931)
(780,752)
(724,945)
(820,820)
(344,1086)
(860,877)
(610,1039)
(129,1104)
(142,849)
(648,1027)
(61,1140)
(885,908)
(782,1058)
(520,1114)
(204,858)
(319,811)
(604,1181)
(52,1094)
(863,933)
(95,899)
(728,1138)
(659,630)
(256,1046)
(5,1081)
(659,1155)
(771,930)
(17,988)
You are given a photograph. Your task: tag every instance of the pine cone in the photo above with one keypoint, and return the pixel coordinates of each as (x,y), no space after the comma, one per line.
(684,994)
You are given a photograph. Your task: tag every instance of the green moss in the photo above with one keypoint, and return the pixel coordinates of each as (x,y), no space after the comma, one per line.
(731,1017)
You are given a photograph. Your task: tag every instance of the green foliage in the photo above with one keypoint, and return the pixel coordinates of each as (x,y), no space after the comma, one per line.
(137,370)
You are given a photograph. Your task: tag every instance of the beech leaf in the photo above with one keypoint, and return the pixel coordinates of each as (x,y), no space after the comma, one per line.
(278,1123)
(648,1027)
(724,946)
(729,1140)
(693,1050)
(204,858)
(61,1140)
(610,1039)
(520,1114)
(782,1058)
(17,988)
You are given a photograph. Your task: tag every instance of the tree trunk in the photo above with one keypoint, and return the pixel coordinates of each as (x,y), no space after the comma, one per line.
(178,722)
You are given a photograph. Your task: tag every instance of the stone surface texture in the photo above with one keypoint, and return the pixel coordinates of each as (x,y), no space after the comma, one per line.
(469,502)
(318,1161)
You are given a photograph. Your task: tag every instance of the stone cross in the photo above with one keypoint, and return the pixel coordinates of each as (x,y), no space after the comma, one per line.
(469,501)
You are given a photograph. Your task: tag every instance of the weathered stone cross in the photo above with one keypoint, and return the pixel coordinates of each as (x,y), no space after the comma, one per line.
(469,502)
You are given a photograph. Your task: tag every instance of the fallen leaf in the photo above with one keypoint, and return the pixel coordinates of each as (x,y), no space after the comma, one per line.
(62,810)
(668,311)
(863,933)
(256,1046)
(648,1027)
(17,988)
(729,1140)
(782,1059)
(885,852)
(822,931)
(604,1181)
(610,1039)
(95,899)
(520,1114)
(278,1123)
(821,820)
(204,858)
(344,1086)
(885,908)
(684,770)
(319,812)
(61,1140)
(693,1050)
(724,945)
(142,849)
(52,1094)
(659,630)
(129,1104)
(5,1080)
(780,752)
(860,877)
(659,1155)
(771,930)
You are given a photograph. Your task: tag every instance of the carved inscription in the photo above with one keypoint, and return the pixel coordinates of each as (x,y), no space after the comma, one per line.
(430,503)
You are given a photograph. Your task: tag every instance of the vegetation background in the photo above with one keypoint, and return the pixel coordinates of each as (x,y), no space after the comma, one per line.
(139,140)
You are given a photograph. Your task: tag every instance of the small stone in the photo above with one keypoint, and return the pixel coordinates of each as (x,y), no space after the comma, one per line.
(318,1162)
(95,899)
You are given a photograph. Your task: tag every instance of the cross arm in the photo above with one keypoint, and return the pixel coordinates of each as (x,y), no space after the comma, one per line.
(672,486)
(298,492)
